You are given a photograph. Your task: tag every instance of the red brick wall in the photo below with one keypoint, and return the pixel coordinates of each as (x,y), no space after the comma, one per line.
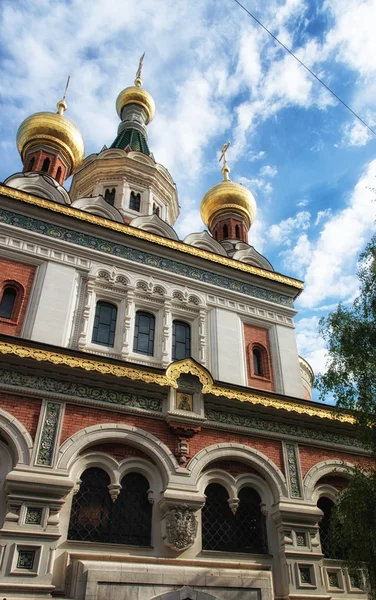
(21,276)
(39,155)
(310,456)
(118,451)
(257,337)
(26,410)
(218,233)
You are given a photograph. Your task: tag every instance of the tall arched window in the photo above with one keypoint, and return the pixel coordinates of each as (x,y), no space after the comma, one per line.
(109,196)
(222,530)
(58,173)
(327,505)
(257,362)
(91,513)
(181,340)
(104,324)
(31,163)
(131,523)
(144,333)
(46,165)
(225,231)
(217,519)
(7,302)
(135,201)
(237,231)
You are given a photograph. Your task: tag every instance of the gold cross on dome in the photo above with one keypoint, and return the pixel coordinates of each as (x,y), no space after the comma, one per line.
(138,80)
(225,168)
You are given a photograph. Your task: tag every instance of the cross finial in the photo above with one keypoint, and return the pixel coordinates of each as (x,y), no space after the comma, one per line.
(225,168)
(62,105)
(138,80)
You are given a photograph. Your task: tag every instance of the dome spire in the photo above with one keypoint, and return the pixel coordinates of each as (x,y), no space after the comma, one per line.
(138,80)
(225,167)
(62,105)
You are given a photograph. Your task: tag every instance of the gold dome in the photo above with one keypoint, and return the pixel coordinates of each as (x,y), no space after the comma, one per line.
(54,130)
(136,95)
(225,197)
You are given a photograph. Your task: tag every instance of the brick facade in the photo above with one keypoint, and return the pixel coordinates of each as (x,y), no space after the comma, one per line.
(35,158)
(20,277)
(26,410)
(257,338)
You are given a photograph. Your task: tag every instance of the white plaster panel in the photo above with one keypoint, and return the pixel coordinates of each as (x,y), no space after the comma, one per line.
(229,352)
(289,361)
(54,313)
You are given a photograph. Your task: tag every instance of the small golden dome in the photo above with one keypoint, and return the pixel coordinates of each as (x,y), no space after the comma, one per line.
(54,130)
(225,197)
(136,95)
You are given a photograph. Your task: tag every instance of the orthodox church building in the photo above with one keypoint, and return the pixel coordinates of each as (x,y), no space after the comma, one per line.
(157,434)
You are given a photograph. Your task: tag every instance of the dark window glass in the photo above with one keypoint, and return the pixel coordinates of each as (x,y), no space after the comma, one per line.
(327,505)
(109,196)
(131,523)
(181,340)
(237,231)
(90,518)
(257,364)
(144,333)
(31,164)
(222,530)
(7,302)
(225,231)
(104,324)
(58,173)
(46,165)
(135,201)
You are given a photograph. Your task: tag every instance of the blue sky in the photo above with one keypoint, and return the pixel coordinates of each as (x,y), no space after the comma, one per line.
(217,76)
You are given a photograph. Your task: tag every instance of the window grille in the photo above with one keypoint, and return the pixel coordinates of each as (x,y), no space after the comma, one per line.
(135,201)
(7,302)
(257,368)
(181,340)
(46,165)
(109,196)
(91,508)
(104,324)
(95,518)
(222,530)
(327,505)
(144,333)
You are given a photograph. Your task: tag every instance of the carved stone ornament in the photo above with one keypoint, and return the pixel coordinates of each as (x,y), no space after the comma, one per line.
(181,528)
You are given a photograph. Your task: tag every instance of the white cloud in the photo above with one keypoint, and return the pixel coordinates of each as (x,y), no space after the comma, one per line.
(303,202)
(256,156)
(322,214)
(354,134)
(298,258)
(268,171)
(283,231)
(311,345)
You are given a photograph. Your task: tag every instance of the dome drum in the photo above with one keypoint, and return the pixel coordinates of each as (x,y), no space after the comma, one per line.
(228,197)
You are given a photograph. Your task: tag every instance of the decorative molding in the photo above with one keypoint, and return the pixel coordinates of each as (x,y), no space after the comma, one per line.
(48,434)
(151,237)
(292,467)
(140,256)
(246,422)
(170,378)
(180,527)
(78,390)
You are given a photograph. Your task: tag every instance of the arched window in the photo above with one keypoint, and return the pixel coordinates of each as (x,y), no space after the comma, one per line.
(31,163)
(135,201)
(257,362)
(181,340)
(109,196)
(155,210)
(144,333)
(46,165)
(7,302)
(217,519)
(104,324)
(58,173)
(327,505)
(222,530)
(237,231)
(225,231)
(91,513)
(131,523)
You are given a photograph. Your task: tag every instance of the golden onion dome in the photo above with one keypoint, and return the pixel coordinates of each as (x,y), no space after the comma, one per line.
(54,130)
(136,95)
(225,197)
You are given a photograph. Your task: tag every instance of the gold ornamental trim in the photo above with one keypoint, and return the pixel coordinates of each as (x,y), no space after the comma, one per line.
(170,379)
(150,237)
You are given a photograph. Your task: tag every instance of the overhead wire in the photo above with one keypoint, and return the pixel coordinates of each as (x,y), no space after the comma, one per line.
(307,68)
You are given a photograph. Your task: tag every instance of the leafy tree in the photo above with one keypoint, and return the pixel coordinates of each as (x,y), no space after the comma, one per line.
(350,333)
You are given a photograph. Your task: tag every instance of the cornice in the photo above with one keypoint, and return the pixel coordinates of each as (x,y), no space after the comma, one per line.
(151,237)
(170,379)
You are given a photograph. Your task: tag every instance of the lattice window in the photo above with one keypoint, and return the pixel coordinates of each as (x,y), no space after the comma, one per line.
(144,333)
(7,302)
(91,512)
(104,323)
(135,201)
(222,530)
(327,505)
(181,340)
(131,522)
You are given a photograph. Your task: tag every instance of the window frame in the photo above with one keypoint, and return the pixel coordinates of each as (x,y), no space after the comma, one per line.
(173,339)
(18,300)
(115,305)
(148,312)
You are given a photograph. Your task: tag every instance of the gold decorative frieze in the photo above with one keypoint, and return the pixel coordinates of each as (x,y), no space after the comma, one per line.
(170,379)
(150,237)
